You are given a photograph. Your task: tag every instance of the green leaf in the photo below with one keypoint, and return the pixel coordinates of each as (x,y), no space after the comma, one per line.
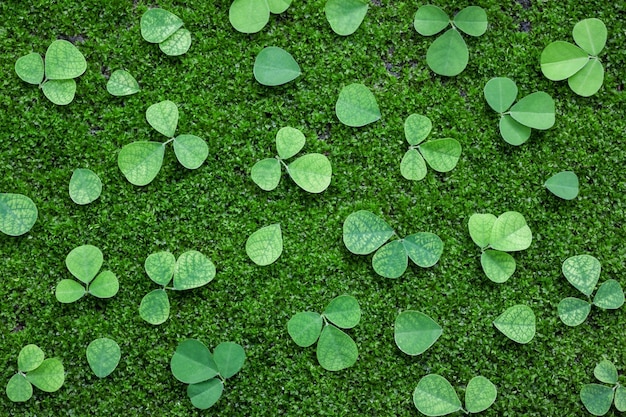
(141,161)
(517,323)
(364,232)
(430,20)
(500,93)
(620,399)
(415,332)
(274,66)
(155,307)
(157,25)
(434,396)
(510,233)
(563,185)
(193,270)
(278,6)
(85,186)
(30,357)
(597,398)
(205,394)
(471,20)
(191,151)
(18,214)
(177,44)
(266,173)
(512,132)
(588,80)
(335,349)
(573,311)
(442,154)
(480,226)
(60,92)
(105,285)
(343,311)
(536,111)
(417,128)
(64,61)
(345,16)
(312,172)
(606,372)
(583,272)
(192,362)
(19,389)
(305,328)
(122,83)
(357,106)
(590,35)
(84,262)
(609,296)
(49,376)
(480,394)
(391,260)
(561,60)
(160,267)
(229,358)
(413,166)
(289,141)
(68,291)
(448,54)
(498,266)
(423,248)
(249,16)
(163,117)
(103,356)
(265,245)
(30,69)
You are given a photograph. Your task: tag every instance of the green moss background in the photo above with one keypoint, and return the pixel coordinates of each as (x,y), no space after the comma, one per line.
(215,208)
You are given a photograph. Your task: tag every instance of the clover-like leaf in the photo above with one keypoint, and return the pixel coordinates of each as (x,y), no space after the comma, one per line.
(417,128)
(480,226)
(590,35)
(265,245)
(423,248)
(278,6)
(335,349)
(249,16)
(356,106)
(583,272)
(517,323)
(413,166)
(597,398)
(563,185)
(177,44)
(620,398)
(18,214)
(536,111)
(498,266)
(391,260)
(606,372)
(500,93)
(510,233)
(64,61)
(434,396)
(229,358)
(588,80)
(364,232)
(105,285)
(442,154)
(561,60)
(345,16)
(122,83)
(193,362)
(430,20)
(155,307)
(513,132)
(29,358)
(84,262)
(85,186)
(312,172)
(471,20)
(343,311)
(103,356)
(30,68)
(448,54)
(205,394)
(289,141)
(266,173)
(305,328)
(480,394)
(19,389)
(160,267)
(49,376)
(415,332)
(609,296)
(274,66)
(157,25)
(141,161)
(193,270)
(163,117)
(60,92)
(68,291)
(573,311)
(191,151)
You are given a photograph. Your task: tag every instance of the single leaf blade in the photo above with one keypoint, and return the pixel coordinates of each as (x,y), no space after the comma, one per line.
(415,332)
(583,272)
(356,106)
(423,248)
(177,44)
(274,66)
(442,154)
(19,389)
(265,245)
(480,226)
(343,311)
(335,349)
(573,311)
(606,372)
(305,328)
(513,132)
(391,260)
(279,6)
(590,35)
(312,172)
(18,214)
(417,128)
(620,399)
(122,83)
(500,93)
(536,111)
(192,362)
(103,356)
(193,270)
(155,307)
(85,186)
(510,233)
(60,92)
(29,358)
(84,262)
(588,80)
(289,141)
(413,166)
(157,25)
(498,266)
(105,285)
(266,173)
(430,20)
(249,16)
(517,323)
(434,396)
(364,232)
(480,394)
(141,161)
(160,267)
(205,394)
(471,20)
(609,296)
(229,358)
(64,61)
(30,68)
(596,398)
(163,117)
(49,376)
(191,151)
(563,185)
(345,16)
(68,291)
(561,60)
(448,54)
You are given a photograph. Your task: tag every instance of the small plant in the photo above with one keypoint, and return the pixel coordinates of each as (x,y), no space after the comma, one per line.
(598,398)
(535,111)
(18,214)
(141,161)
(563,185)
(518,323)
(265,245)
(435,396)
(312,172)
(56,74)
(85,186)
(497,236)
(251,16)
(46,374)
(356,106)
(84,262)
(448,54)
(193,364)
(580,64)
(103,356)
(415,332)
(345,16)
(335,349)
(274,66)
(583,272)
(441,154)
(166,29)
(191,270)
(122,83)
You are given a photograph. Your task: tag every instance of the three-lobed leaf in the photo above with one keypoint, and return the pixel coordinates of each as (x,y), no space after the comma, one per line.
(122,83)
(356,106)
(265,245)
(345,16)
(583,272)
(434,396)
(335,349)
(305,328)
(480,394)
(343,311)
(274,66)
(364,232)
(18,214)
(415,332)
(192,270)
(517,323)
(103,356)
(312,172)
(448,54)
(563,184)
(141,161)
(85,186)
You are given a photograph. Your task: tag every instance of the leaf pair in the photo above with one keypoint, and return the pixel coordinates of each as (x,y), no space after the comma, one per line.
(193,364)
(496,236)
(18,214)
(364,233)
(563,185)
(356,106)
(345,16)
(265,245)
(583,272)
(122,83)
(46,374)
(312,172)
(250,16)
(578,64)
(84,262)
(441,154)
(448,54)
(435,396)
(55,75)
(103,356)
(535,111)
(598,398)
(141,161)
(415,332)
(85,186)
(518,323)
(335,349)
(191,270)
(274,66)
(166,29)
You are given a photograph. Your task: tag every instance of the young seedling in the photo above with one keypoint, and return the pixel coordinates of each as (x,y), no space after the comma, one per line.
(265,245)
(274,66)
(441,154)
(345,16)
(364,233)
(193,364)
(141,161)
(84,262)
(497,236)
(46,374)
(122,83)
(85,186)
(598,398)
(518,323)
(55,75)
(580,64)
(166,29)
(18,214)
(583,272)
(356,106)
(103,356)
(435,396)
(191,270)
(563,185)
(312,172)
(448,54)
(251,16)
(535,111)
(415,332)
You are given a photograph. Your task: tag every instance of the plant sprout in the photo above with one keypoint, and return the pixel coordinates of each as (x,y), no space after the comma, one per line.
(122,83)
(251,16)
(435,396)
(598,398)
(415,332)
(518,323)
(166,29)
(18,214)
(356,106)
(85,186)
(345,16)
(46,374)
(265,245)
(274,66)
(103,356)
(563,185)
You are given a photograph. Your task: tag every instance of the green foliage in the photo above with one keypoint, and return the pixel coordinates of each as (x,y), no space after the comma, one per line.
(435,396)
(103,356)
(356,106)
(18,214)
(415,332)
(122,83)
(46,374)
(251,16)
(597,398)
(265,245)
(345,16)
(85,186)
(563,185)
(518,323)
(166,29)
(274,66)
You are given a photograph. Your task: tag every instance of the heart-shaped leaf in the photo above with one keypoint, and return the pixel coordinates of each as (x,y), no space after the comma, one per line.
(265,245)
(103,356)
(105,285)
(84,262)
(160,267)
(364,232)
(141,161)
(498,266)
(85,186)
(345,16)
(193,270)
(413,166)
(177,44)
(163,117)
(289,141)
(343,311)
(517,323)
(597,398)
(49,376)
(609,296)
(19,389)
(64,61)
(266,173)
(68,291)
(312,172)
(18,214)
(573,311)
(513,132)
(155,307)
(563,185)
(191,151)
(60,92)
(500,93)
(192,362)
(583,272)
(448,54)
(229,358)
(434,396)
(274,66)
(305,328)
(249,16)
(278,6)
(480,394)
(391,260)
(157,25)
(590,35)
(122,83)
(510,233)
(430,20)
(606,372)
(480,226)
(205,394)
(423,248)
(620,399)
(442,154)
(30,68)
(536,111)
(561,60)
(417,128)
(335,349)
(471,20)
(415,332)
(29,358)
(588,80)
(357,106)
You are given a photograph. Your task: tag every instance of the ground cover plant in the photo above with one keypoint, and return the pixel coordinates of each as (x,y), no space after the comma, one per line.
(598,398)
(33,369)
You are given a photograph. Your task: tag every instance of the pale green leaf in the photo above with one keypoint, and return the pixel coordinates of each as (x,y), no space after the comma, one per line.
(498,266)
(289,141)
(105,285)
(229,358)
(590,35)
(192,362)
(60,92)
(500,93)
(163,117)
(84,262)
(266,173)
(364,232)
(29,358)
(391,260)
(30,68)
(160,267)
(512,132)
(620,399)
(312,172)
(415,332)
(417,128)
(517,323)
(274,66)
(609,296)
(265,245)
(191,151)
(573,311)
(305,328)
(155,307)
(583,272)
(64,61)
(343,311)
(141,161)
(18,214)
(448,54)
(122,83)
(19,389)
(561,60)
(442,154)
(471,20)
(480,226)
(103,356)
(510,233)
(345,16)
(85,186)
(413,166)
(606,372)
(193,270)
(423,248)
(278,6)
(357,106)
(68,291)
(536,111)
(335,349)
(430,20)
(597,398)
(177,44)
(588,80)
(249,16)
(157,25)
(434,396)
(49,376)
(563,185)
(480,394)
(205,394)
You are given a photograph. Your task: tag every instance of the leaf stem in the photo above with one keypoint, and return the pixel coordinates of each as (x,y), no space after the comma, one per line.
(168,141)
(282,162)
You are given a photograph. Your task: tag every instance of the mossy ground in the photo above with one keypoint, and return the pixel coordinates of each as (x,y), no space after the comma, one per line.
(215,208)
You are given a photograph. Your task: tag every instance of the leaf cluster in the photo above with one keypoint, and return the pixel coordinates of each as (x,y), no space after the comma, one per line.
(435,396)
(598,398)
(251,16)
(166,29)
(18,214)
(33,369)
